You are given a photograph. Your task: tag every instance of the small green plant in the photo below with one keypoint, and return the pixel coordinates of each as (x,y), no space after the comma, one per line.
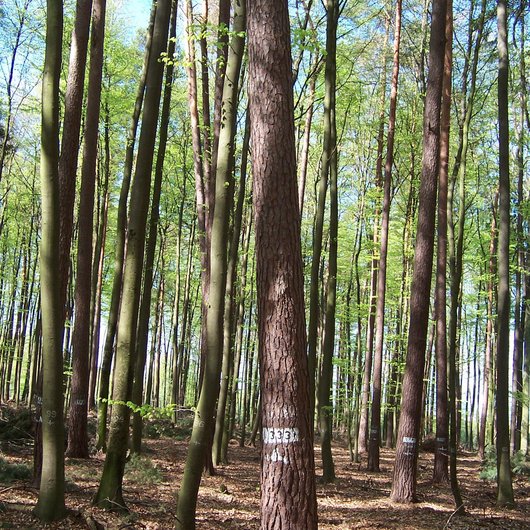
(142,470)
(519,462)
(10,472)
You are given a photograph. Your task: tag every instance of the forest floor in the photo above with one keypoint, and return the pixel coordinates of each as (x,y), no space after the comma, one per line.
(230,500)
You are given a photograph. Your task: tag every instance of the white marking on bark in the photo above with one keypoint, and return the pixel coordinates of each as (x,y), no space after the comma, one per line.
(281,435)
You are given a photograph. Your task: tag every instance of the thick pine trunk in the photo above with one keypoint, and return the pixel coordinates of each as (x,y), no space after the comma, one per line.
(288,498)
(70,138)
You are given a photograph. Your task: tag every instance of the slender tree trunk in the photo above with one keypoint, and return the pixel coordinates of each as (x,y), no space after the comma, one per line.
(375,423)
(441,474)
(109,494)
(145,306)
(70,137)
(50,505)
(404,480)
(304,154)
(121,233)
(520,308)
(78,427)
(229,366)
(486,378)
(329,174)
(97,270)
(203,424)
(504,472)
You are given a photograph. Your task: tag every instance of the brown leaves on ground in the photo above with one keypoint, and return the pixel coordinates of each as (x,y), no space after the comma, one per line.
(230,500)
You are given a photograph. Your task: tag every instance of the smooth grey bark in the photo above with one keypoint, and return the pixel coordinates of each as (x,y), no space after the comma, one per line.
(112,324)
(329,174)
(375,419)
(50,505)
(109,494)
(204,415)
(145,305)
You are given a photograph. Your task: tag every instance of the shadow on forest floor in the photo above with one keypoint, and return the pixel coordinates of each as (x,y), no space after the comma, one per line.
(230,499)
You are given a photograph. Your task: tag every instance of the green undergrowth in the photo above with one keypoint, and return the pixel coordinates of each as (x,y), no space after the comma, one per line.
(520,464)
(141,469)
(11,472)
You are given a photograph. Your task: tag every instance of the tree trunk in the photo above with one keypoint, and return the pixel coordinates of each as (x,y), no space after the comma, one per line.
(70,139)
(504,472)
(109,494)
(288,498)
(329,173)
(204,415)
(77,427)
(486,377)
(375,423)
(121,229)
(404,480)
(50,505)
(145,306)
(440,473)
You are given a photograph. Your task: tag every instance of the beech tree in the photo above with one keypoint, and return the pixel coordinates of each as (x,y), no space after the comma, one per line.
(50,505)
(109,494)
(288,498)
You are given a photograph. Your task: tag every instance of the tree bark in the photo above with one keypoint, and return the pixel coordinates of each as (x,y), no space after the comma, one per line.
(78,427)
(329,174)
(288,497)
(404,480)
(504,471)
(70,138)
(109,494)
(204,415)
(50,505)
(121,229)
(441,455)
(375,423)
(145,306)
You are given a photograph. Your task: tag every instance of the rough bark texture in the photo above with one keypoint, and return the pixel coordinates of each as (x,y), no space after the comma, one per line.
(77,431)
(404,482)
(70,139)
(441,459)
(288,497)
(50,505)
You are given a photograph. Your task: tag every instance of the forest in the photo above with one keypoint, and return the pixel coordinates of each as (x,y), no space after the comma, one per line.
(264,264)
